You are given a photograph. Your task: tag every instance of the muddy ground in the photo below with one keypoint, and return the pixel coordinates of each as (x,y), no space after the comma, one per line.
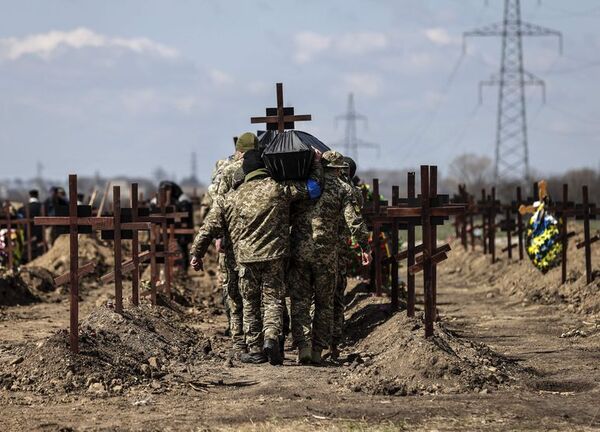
(501,359)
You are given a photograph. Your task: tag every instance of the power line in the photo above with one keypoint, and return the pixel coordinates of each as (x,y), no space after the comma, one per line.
(418,132)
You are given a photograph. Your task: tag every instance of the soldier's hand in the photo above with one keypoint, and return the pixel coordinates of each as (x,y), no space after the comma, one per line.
(218,245)
(318,154)
(366,258)
(196,264)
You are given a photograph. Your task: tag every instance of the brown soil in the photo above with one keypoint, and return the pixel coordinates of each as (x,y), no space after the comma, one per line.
(393,358)
(57,259)
(524,282)
(117,351)
(14,290)
(516,371)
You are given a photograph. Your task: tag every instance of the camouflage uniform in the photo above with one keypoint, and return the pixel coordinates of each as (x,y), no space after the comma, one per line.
(225,269)
(255,218)
(346,254)
(314,260)
(232,298)
(216,176)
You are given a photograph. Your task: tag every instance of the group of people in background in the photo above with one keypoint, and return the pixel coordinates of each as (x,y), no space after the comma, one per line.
(34,207)
(280,240)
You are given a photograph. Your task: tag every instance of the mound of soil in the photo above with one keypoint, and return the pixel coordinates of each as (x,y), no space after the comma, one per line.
(522,280)
(143,345)
(38,279)
(14,290)
(57,259)
(392,357)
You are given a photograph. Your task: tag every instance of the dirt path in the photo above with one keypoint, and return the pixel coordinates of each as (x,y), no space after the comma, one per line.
(565,396)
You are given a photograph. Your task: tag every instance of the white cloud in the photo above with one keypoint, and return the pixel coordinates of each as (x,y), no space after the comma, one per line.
(149,101)
(440,36)
(220,78)
(361,43)
(363,83)
(45,45)
(258,87)
(185,104)
(420,60)
(310,44)
(432,99)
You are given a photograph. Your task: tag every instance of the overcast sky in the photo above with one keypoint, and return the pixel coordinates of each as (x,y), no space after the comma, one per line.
(122,87)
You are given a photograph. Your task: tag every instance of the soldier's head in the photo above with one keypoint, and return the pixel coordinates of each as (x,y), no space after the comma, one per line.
(247,141)
(351,166)
(334,162)
(34,193)
(252,161)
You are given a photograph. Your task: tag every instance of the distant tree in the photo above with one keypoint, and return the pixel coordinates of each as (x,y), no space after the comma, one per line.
(473,170)
(575,178)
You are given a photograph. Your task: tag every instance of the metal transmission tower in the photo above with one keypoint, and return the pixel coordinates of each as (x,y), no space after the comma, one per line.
(512,154)
(194,168)
(351,142)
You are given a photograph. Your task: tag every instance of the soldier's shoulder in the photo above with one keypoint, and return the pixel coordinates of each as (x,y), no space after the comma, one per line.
(343,187)
(232,166)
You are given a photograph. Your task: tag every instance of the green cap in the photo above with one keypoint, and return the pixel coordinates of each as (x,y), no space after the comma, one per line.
(334,159)
(246,141)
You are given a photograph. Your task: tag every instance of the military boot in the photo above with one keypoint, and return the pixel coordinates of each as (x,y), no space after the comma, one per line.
(253,358)
(282,346)
(334,352)
(237,350)
(315,356)
(304,355)
(271,350)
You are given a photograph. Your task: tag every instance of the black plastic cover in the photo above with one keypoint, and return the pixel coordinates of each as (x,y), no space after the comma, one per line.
(289,155)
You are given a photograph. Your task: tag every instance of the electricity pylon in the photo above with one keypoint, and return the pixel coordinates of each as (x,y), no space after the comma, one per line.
(351,142)
(512,152)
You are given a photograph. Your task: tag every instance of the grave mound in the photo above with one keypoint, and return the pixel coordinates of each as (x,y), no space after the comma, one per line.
(392,357)
(141,346)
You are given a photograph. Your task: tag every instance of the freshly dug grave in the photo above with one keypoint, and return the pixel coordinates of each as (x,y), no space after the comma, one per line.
(39,280)
(142,346)
(522,280)
(57,259)
(14,290)
(392,357)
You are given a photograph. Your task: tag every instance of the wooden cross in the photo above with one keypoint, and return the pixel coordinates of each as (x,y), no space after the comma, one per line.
(508,226)
(587,211)
(519,223)
(134,216)
(9,222)
(280,118)
(78,224)
(461,221)
(565,209)
(431,210)
(464,224)
(482,209)
(164,251)
(428,210)
(492,207)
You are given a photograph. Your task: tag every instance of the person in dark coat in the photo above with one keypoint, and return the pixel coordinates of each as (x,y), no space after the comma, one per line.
(37,231)
(182,203)
(56,199)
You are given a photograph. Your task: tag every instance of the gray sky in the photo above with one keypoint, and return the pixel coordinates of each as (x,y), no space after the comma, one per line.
(122,87)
